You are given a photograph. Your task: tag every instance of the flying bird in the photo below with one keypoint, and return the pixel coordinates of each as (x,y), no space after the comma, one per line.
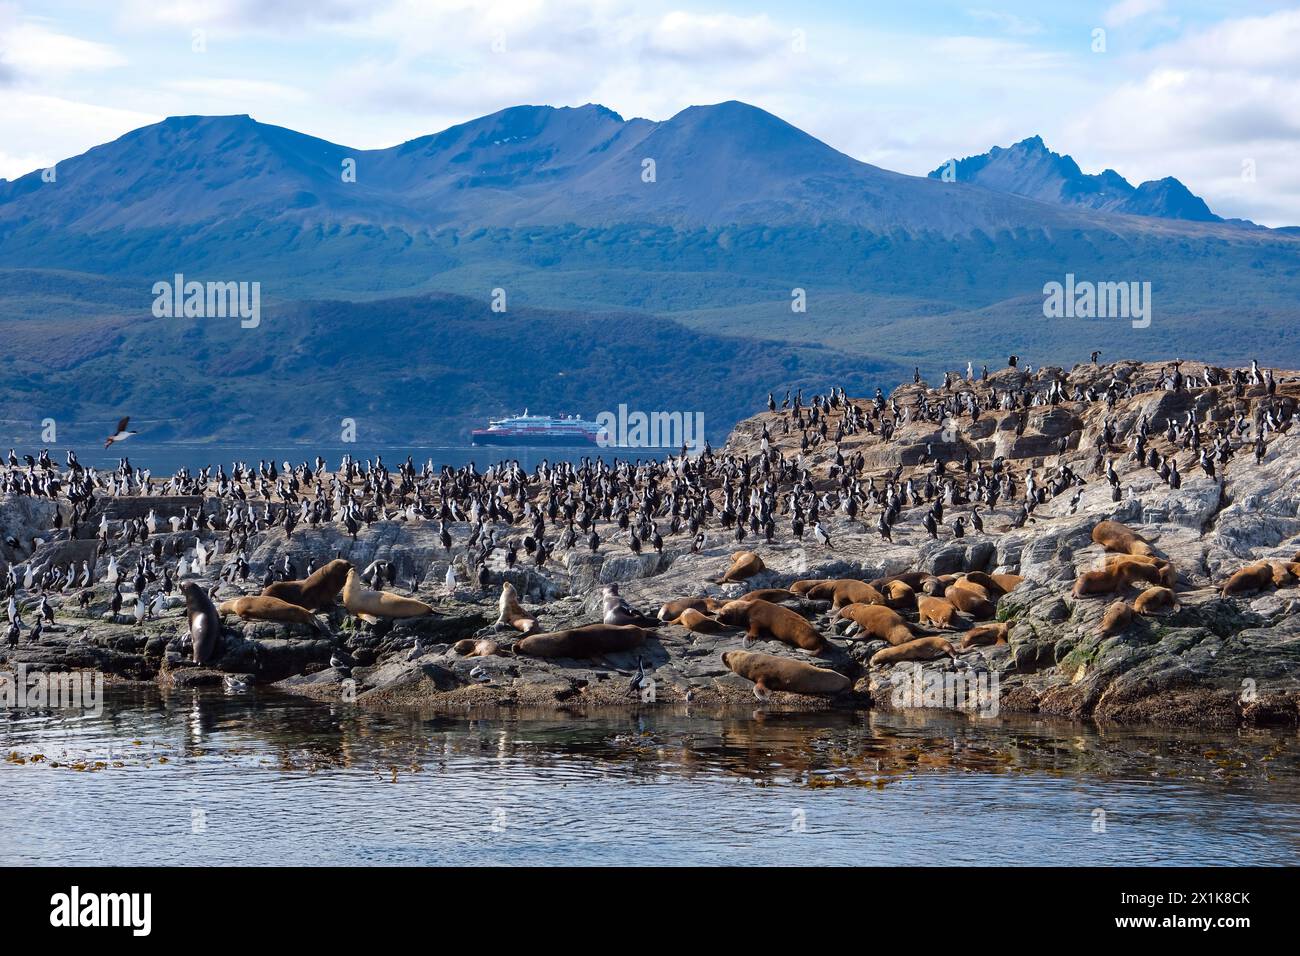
(121,435)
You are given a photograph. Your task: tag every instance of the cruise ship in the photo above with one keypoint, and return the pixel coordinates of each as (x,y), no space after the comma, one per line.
(540,431)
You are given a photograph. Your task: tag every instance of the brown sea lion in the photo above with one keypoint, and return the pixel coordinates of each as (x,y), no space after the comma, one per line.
(744,564)
(992,587)
(977,589)
(1008,582)
(966,599)
(900,594)
(1118,617)
(850,591)
(1155,600)
(699,622)
(921,649)
(913,579)
(674,609)
(590,640)
(985,635)
(480,648)
(511,612)
(1251,578)
(317,591)
(878,622)
(1114,536)
(1120,571)
(1284,574)
(763,619)
(805,585)
(263,608)
(379,604)
(204,622)
(937,611)
(771,673)
(772,595)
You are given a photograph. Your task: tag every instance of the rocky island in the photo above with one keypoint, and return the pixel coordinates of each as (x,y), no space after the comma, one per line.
(1114,542)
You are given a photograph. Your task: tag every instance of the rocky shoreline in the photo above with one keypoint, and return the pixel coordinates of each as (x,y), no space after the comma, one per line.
(1213,660)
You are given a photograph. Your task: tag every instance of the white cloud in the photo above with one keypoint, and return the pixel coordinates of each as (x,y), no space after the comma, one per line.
(1127,11)
(39,131)
(33,51)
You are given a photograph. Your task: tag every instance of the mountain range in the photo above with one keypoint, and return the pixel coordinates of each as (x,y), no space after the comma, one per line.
(698,232)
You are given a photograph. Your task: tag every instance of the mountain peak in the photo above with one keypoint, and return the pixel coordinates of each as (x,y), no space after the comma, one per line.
(1029,168)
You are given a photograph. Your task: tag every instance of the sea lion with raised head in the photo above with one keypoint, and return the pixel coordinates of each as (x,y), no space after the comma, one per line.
(590,640)
(921,649)
(204,622)
(618,611)
(771,673)
(317,591)
(511,612)
(379,604)
(763,619)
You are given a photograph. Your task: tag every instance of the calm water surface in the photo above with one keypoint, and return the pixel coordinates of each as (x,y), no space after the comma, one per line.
(208,777)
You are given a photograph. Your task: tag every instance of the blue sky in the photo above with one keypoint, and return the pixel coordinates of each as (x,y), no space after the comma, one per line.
(1194,90)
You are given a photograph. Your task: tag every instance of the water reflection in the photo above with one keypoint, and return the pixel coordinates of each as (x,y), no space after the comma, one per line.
(277,780)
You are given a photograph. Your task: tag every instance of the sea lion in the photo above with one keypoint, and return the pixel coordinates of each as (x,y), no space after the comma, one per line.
(803,586)
(878,622)
(590,640)
(317,591)
(699,623)
(1118,617)
(850,591)
(481,648)
(1114,536)
(966,599)
(764,619)
(921,649)
(913,579)
(771,595)
(1251,578)
(744,564)
(1155,600)
(263,608)
(674,609)
(1120,571)
(618,611)
(511,613)
(985,635)
(204,621)
(1008,582)
(1284,574)
(770,673)
(977,589)
(379,604)
(817,590)
(937,611)
(900,594)
(992,587)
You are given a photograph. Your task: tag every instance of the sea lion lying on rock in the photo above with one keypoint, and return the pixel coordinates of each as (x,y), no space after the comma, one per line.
(880,623)
(674,609)
(970,601)
(771,673)
(379,604)
(618,611)
(1155,600)
(700,623)
(590,640)
(771,595)
(762,619)
(263,608)
(1114,536)
(1118,618)
(937,611)
(985,635)
(1247,580)
(481,648)
(317,591)
(921,649)
(744,564)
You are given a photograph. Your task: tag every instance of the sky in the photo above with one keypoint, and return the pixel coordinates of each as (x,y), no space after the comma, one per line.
(1208,92)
